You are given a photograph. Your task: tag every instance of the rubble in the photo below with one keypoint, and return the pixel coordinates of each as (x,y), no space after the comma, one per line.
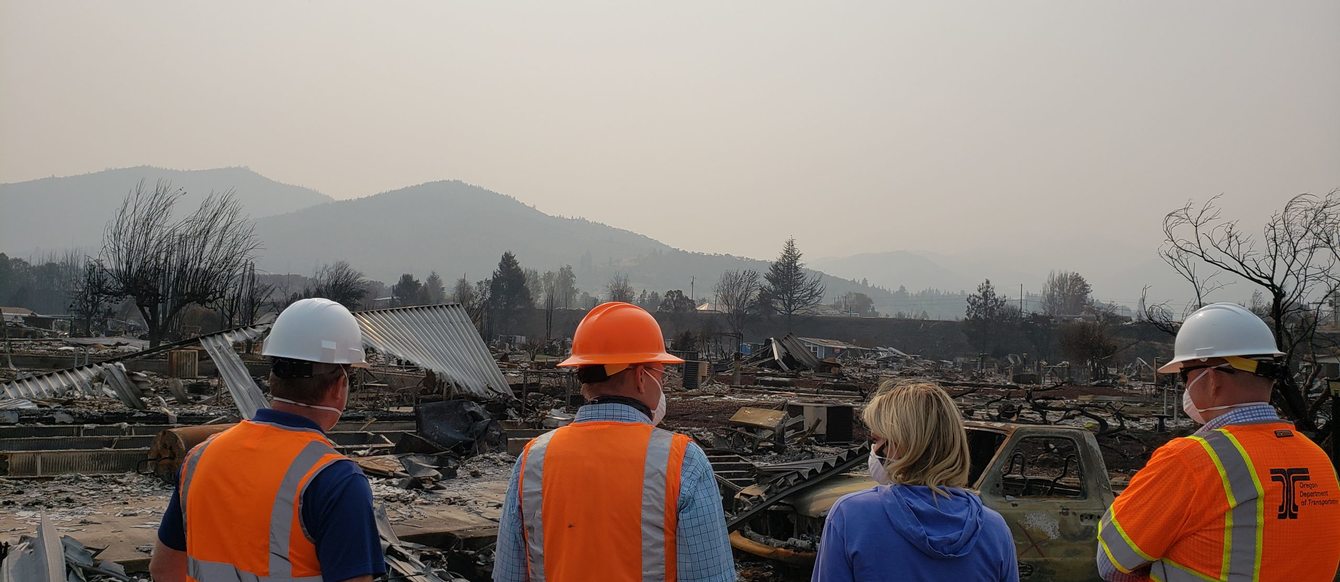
(437,428)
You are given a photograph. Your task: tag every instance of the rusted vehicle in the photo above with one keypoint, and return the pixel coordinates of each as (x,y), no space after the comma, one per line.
(1048,482)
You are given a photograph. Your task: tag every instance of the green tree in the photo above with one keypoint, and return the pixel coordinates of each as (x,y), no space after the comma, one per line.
(407,291)
(675,301)
(565,288)
(789,290)
(509,297)
(987,318)
(433,289)
(1065,293)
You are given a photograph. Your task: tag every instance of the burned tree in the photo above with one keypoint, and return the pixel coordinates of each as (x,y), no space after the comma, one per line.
(338,282)
(245,299)
(620,289)
(1293,264)
(473,297)
(93,296)
(789,290)
(165,264)
(737,297)
(1087,343)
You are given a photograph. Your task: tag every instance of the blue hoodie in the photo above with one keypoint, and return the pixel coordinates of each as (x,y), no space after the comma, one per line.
(905,532)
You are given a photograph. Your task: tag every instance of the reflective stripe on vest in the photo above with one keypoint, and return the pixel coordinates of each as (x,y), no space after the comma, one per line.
(1166,570)
(220,572)
(309,459)
(531,504)
(187,472)
(1121,551)
(653,506)
(1243,522)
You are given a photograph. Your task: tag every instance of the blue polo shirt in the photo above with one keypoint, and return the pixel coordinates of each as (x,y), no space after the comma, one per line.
(336,513)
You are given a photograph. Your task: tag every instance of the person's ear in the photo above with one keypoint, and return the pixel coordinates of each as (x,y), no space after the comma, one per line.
(639,382)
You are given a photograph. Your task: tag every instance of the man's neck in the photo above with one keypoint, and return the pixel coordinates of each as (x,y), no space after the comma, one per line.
(625,400)
(318,417)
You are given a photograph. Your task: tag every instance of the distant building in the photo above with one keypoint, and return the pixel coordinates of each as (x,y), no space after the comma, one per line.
(15,314)
(827,348)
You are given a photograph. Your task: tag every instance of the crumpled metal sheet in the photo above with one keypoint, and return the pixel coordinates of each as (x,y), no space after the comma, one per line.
(114,376)
(51,557)
(35,559)
(16,404)
(75,381)
(441,338)
(55,384)
(79,380)
(246,394)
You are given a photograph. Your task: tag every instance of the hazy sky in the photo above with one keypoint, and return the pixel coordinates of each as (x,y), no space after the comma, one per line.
(1023,128)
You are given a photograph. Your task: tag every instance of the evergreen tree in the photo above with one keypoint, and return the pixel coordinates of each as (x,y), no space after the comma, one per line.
(789,290)
(509,298)
(407,291)
(433,289)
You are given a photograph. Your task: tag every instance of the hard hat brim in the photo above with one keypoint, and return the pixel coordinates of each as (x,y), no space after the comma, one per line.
(630,359)
(1176,366)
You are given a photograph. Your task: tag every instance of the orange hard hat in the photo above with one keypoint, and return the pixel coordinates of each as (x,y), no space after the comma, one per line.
(618,333)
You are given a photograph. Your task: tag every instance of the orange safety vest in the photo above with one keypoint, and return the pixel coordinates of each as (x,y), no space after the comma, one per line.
(600,501)
(1264,504)
(241,495)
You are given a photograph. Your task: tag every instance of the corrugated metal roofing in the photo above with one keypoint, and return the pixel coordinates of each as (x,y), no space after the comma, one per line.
(56,384)
(114,376)
(246,394)
(79,380)
(15,403)
(440,338)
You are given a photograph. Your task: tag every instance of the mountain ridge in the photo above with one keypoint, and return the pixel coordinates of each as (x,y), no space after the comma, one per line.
(48,202)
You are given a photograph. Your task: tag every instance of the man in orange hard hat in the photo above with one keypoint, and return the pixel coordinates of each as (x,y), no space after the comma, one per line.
(1247,497)
(610,496)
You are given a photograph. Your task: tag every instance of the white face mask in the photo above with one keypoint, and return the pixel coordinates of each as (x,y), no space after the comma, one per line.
(304,405)
(658,413)
(877,470)
(1196,414)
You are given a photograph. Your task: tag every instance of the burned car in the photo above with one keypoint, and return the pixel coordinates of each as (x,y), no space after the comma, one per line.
(1048,482)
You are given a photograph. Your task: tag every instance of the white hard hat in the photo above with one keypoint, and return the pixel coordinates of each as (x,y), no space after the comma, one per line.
(1221,330)
(316,330)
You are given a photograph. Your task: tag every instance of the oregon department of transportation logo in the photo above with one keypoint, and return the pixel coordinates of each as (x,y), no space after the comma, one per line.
(1290,478)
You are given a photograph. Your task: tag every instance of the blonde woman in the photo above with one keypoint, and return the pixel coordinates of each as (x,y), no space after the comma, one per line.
(919,523)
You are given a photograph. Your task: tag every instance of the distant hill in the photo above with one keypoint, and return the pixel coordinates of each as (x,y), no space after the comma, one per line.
(459,230)
(71,211)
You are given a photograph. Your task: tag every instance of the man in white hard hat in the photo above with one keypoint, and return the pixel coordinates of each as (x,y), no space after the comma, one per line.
(1246,497)
(270,498)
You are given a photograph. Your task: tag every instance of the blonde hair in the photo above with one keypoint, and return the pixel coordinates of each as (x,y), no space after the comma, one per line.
(927,444)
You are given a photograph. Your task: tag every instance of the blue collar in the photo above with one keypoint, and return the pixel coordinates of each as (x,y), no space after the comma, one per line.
(273,416)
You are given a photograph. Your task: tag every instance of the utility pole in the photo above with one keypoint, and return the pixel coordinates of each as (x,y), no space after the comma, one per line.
(1021,299)
(693,297)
